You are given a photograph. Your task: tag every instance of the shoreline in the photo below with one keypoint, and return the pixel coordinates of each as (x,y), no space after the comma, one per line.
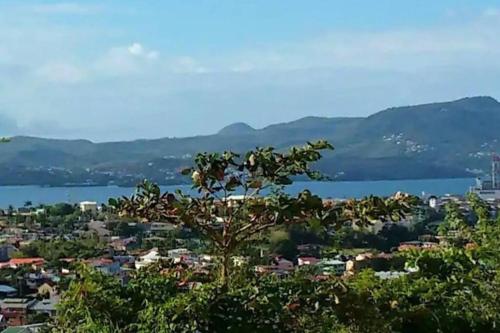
(188,184)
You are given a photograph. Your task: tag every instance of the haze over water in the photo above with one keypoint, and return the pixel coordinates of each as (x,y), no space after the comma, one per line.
(18,195)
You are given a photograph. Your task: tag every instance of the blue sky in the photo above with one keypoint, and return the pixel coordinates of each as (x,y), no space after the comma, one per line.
(113,70)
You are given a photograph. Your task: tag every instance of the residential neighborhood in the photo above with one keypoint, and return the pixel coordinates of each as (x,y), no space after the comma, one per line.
(41,248)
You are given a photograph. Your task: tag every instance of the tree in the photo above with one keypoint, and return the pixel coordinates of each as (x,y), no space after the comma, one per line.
(242,196)
(454,226)
(480,208)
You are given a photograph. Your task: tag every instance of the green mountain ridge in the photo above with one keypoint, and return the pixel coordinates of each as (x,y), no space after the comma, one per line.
(447,139)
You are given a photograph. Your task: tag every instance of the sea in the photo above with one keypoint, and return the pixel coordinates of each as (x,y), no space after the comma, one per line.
(18,195)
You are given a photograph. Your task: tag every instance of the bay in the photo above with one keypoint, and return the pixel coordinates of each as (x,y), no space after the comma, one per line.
(18,195)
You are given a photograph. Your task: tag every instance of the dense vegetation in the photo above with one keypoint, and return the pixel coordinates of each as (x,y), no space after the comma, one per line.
(456,289)
(453,288)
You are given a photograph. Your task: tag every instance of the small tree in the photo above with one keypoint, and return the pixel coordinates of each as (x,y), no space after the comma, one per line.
(241,196)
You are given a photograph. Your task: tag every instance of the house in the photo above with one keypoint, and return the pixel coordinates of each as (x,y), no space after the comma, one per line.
(88,207)
(124,245)
(151,257)
(377,262)
(386,275)
(47,290)
(19,262)
(309,250)
(15,310)
(99,228)
(332,266)
(6,251)
(34,280)
(305,261)
(279,267)
(158,228)
(46,306)
(417,245)
(177,253)
(272,269)
(105,266)
(283,263)
(7,291)
(34,328)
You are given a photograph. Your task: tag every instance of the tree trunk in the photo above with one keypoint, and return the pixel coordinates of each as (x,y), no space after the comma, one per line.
(224,275)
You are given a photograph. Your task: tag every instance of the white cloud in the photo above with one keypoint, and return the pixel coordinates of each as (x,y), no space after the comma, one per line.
(279,82)
(60,73)
(132,59)
(137,50)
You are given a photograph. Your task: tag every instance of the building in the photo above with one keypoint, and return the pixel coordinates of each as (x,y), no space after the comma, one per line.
(124,245)
(104,265)
(6,251)
(88,207)
(7,291)
(417,245)
(433,202)
(45,306)
(305,261)
(47,290)
(35,328)
(99,228)
(18,262)
(151,257)
(489,189)
(332,266)
(279,267)
(386,275)
(15,310)
(377,262)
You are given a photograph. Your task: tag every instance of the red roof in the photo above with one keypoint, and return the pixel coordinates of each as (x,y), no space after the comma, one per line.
(26,261)
(309,258)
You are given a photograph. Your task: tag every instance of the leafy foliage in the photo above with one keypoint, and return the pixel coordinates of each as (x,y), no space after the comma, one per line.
(455,288)
(243,196)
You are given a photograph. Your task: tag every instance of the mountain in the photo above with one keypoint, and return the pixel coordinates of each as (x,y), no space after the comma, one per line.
(449,139)
(237,129)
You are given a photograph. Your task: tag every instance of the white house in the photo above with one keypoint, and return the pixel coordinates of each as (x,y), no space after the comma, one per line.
(88,206)
(151,257)
(177,253)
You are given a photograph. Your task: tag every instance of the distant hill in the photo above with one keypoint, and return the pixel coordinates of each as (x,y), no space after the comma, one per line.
(450,139)
(237,129)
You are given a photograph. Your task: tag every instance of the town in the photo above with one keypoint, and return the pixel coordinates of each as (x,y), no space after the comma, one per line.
(42,247)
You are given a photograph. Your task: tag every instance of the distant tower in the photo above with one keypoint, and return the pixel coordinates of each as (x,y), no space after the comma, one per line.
(495,171)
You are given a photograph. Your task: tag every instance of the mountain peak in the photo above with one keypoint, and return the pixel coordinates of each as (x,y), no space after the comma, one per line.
(478,101)
(237,129)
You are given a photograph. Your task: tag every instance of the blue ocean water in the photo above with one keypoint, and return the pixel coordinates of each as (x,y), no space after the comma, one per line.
(18,195)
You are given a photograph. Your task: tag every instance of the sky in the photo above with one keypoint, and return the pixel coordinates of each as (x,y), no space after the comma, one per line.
(124,69)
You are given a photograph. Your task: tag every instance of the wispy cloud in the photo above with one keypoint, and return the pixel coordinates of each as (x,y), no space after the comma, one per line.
(60,73)
(124,60)
(95,73)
